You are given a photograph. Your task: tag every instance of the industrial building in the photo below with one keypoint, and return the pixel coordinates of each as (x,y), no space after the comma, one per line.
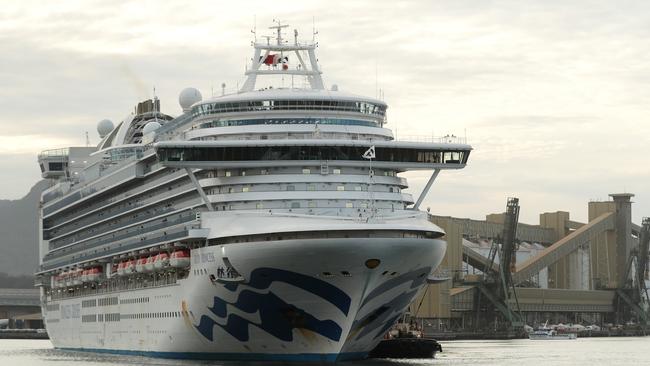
(499,275)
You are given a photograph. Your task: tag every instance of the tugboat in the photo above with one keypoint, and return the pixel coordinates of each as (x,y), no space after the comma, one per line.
(405,340)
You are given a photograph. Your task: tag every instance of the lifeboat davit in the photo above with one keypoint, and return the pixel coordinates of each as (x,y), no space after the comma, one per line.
(140,264)
(180,259)
(148,265)
(161,261)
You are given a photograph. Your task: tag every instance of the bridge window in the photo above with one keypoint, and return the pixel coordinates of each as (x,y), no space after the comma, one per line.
(312,153)
(271,105)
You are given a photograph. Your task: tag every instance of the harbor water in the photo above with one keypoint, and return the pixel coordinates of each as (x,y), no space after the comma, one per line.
(584,351)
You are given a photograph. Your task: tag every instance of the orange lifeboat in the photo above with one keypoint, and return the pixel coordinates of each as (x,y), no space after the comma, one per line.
(76,276)
(161,261)
(140,264)
(121,268)
(84,275)
(65,279)
(94,274)
(129,267)
(148,265)
(180,258)
(56,281)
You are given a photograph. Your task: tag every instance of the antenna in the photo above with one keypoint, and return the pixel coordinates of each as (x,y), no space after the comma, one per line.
(376,79)
(314,32)
(278,28)
(254,30)
(155,105)
(223,89)
(87,139)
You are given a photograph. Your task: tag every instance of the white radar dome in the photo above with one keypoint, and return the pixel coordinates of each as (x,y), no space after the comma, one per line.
(187,97)
(150,127)
(104,127)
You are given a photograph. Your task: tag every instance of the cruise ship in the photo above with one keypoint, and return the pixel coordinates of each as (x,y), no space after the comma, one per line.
(270,223)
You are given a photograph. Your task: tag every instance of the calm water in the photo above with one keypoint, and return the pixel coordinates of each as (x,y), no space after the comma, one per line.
(585,351)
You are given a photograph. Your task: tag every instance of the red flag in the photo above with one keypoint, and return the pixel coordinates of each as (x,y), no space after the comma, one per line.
(270,60)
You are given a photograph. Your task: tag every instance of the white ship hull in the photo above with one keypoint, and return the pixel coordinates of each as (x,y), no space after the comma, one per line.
(285,309)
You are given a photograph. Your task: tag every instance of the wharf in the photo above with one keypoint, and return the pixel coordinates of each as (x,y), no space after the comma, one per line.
(23,334)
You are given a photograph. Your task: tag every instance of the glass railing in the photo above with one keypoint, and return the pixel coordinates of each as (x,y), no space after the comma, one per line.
(54,153)
(288,121)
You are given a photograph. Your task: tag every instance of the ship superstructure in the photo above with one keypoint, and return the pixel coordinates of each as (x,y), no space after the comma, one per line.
(270,223)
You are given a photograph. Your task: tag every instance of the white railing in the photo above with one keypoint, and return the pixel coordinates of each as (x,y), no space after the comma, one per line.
(447,139)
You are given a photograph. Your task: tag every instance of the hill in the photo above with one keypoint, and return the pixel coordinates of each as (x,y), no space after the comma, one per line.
(19,233)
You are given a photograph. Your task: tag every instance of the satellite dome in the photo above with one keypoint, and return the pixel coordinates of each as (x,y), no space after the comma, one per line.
(187,97)
(150,127)
(104,127)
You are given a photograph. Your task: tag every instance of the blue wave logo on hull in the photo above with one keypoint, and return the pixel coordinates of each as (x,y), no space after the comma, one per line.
(385,315)
(277,317)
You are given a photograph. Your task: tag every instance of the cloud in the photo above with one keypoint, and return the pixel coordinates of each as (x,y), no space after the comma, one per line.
(552,95)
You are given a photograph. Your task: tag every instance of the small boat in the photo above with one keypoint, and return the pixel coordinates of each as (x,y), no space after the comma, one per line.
(121,267)
(84,275)
(148,265)
(93,274)
(161,261)
(129,267)
(76,276)
(180,259)
(548,333)
(140,264)
(406,340)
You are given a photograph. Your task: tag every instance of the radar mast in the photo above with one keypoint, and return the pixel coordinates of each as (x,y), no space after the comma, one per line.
(276,56)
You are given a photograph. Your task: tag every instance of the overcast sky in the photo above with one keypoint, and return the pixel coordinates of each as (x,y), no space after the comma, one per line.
(553,95)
